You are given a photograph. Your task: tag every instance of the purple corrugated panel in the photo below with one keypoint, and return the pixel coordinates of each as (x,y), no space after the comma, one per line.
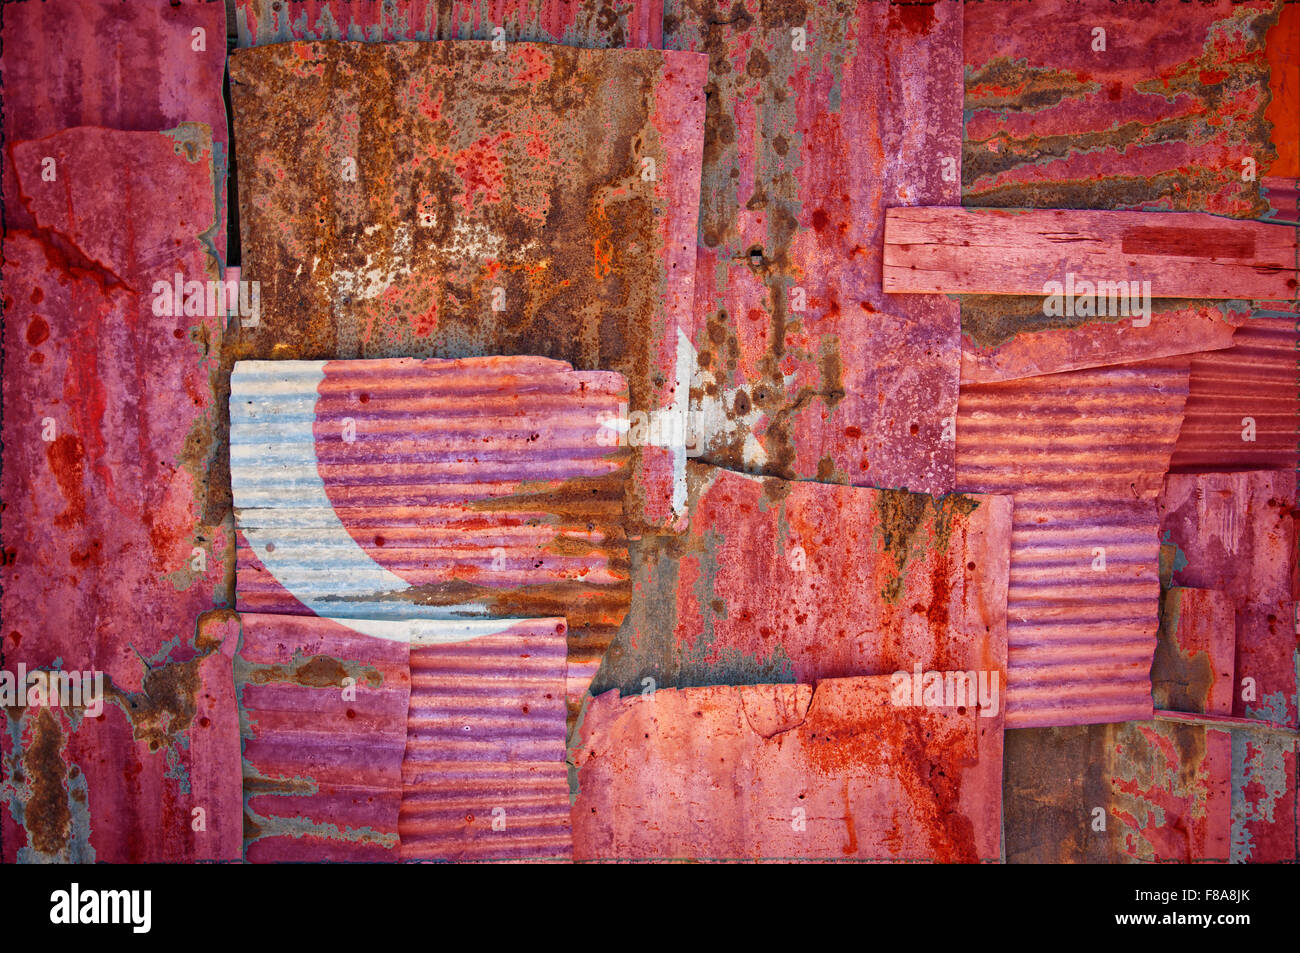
(323,711)
(1146,123)
(1236,532)
(136,66)
(1243,410)
(1083,453)
(397,209)
(382,493)
(799,581)
(631,23)
(1283,197)
(820,116)
(484,776)
(1195,652)
(108,404)
(850,769)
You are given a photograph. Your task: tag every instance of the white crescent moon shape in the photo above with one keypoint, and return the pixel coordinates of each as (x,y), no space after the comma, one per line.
(312,555)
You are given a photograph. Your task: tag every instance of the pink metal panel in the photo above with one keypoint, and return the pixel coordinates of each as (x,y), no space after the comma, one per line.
(801,581)
(484,777)
(121,66)
(798,349)
(1083,453)
(778,772)
(108,560)
(399,210)
(632,23)
(324,713)
(1195,653)
(426,489)
(1243,410)
(1236,532)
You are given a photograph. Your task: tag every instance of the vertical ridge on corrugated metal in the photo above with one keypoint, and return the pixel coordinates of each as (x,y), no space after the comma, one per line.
(483,777)
(1083,453)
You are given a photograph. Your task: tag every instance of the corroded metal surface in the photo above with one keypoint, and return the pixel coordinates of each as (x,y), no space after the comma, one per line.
(484,776)
(1243,410)
(323,714)
(385,492)
(1083,453)
(133,67)
(608,23)
(108,561)
(809,137)
(1236,533)
(770,772)
(1164,790)
(797,581)
(1195,652)
(444,199)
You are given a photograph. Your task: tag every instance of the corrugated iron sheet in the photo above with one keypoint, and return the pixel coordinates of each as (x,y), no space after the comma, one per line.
(482,487)
(631,23)
(468,228)
(484,777)
(786,772)
(1165,790)
(1145,124)
(1243,410)
(1083,453)
(323,715)
(1195,652)
(780,581)
(808,138)
(1236,532)
(108,562)
(129,67)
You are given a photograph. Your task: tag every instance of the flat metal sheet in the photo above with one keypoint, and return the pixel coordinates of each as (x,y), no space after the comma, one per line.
(610,23)
(1083,453)
(786,772)
(108,561)
(323,713)
(810,135)
(484,777)
(387,493)
(445,199)
(778,581)
(1195,653)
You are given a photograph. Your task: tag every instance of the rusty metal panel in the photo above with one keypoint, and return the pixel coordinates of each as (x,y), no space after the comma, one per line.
(323,715)
(609,23)
(1146,124)
(386,493)
(134,67)
(108,561)
(1243,410)
(1186,789)
(402,208)
(798,581)
(1195,652)
(484,777)
(1083,453)
(835,771)
(1236,532)
(808,138)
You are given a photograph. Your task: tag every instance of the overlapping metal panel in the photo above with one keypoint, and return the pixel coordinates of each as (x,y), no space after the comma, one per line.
(799,581)
(323,714)
(1083,453)
(385,492)
(632,23)
(820,116)
(786,772)
(1196,650)
(108,561)
(484,776)
(400,208)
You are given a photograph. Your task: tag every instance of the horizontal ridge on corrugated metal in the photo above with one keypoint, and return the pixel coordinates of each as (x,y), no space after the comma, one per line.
(1083,453)
(484,776)
(1254,378)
